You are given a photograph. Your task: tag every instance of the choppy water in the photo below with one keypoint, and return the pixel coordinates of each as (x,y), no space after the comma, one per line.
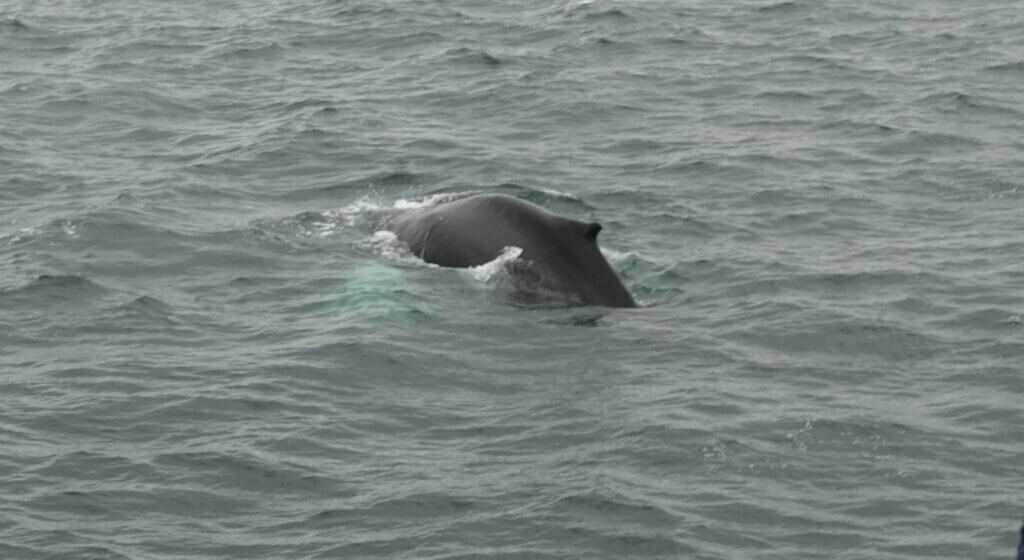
(210,348)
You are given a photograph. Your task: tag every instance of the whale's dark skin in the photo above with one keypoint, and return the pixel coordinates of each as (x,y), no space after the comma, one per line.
(560,253)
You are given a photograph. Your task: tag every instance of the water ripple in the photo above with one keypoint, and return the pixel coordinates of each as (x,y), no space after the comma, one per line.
(211,345)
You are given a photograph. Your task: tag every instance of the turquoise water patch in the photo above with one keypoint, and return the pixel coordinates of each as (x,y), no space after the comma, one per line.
(376,290)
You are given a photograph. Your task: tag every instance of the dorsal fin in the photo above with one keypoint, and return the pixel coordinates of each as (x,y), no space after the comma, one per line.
(591,230)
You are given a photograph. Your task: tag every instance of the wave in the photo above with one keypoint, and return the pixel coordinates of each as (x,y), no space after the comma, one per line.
(46,289)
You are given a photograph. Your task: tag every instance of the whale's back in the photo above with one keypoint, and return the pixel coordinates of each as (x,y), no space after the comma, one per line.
(476,230)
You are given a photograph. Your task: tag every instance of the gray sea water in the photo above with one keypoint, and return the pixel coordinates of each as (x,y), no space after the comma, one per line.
(211,347)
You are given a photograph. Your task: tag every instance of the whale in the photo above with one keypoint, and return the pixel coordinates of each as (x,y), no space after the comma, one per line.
(1020,545)
(557,254)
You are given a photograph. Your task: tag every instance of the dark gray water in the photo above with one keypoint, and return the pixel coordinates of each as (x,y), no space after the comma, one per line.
(210,347)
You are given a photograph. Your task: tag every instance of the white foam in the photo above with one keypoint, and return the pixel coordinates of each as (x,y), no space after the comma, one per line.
(362,206)
(347,216)
(616,257)
(429,200)
(15,237)
(494,270)
(557,193)
(386,244)
(323,229)
(67,227)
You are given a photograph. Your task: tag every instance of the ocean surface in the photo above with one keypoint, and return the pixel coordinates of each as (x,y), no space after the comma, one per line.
(211,346)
